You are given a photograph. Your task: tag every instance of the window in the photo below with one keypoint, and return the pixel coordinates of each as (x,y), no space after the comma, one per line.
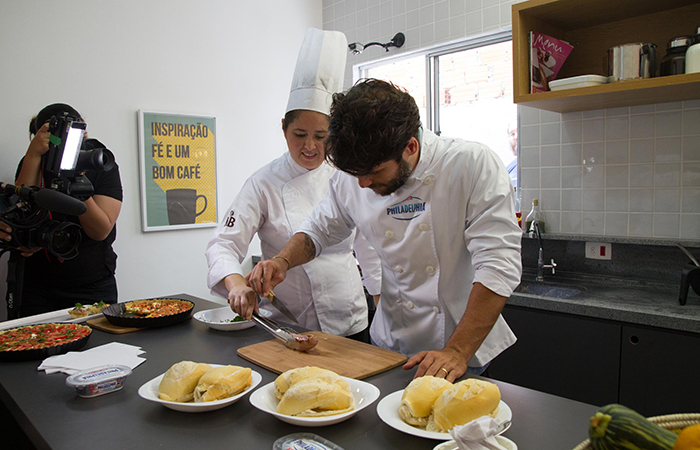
(463,90)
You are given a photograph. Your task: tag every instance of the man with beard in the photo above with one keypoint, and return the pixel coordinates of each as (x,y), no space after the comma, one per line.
(438,211)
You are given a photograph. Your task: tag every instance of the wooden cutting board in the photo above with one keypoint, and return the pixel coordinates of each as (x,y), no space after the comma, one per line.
(101,323)
(343,356)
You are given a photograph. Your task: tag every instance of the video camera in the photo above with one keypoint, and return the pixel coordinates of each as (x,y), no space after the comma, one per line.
(69,156)
(27,208)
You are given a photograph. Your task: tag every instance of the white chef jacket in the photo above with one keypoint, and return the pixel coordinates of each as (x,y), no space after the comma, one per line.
(273,202)
(452,224)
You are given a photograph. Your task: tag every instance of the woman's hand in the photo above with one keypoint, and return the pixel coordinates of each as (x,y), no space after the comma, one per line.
(6,236)
(30,173)
(241,297)
(5,231)
(40,142)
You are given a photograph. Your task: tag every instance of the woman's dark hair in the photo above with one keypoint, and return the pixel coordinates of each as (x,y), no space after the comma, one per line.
(48,112)
(370,124)
(290,117)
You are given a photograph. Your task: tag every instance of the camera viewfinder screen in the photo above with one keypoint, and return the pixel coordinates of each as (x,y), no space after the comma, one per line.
(73,142)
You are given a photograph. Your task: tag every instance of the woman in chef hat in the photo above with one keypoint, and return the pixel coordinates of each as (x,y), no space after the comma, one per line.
(325,294)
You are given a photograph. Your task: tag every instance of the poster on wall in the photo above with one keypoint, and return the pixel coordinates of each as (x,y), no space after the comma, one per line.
(177,155)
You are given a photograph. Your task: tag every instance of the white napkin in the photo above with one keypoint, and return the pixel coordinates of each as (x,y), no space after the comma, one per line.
(479,434)
(112,353)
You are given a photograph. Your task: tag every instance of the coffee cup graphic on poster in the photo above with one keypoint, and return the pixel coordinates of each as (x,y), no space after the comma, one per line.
(182,206)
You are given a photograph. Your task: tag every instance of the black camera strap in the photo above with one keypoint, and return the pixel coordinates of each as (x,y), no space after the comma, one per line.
(15,283)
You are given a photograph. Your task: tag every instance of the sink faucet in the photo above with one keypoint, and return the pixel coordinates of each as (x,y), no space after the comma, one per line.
(535,232)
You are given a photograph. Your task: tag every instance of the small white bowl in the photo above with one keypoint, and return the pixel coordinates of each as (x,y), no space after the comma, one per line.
(149,391)
(364,393)
(452,445)
(222,319)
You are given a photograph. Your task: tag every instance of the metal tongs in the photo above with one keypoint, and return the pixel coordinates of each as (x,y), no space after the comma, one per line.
(283,334)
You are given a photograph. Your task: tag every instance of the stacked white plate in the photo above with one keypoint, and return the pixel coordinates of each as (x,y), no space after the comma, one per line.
(577,82)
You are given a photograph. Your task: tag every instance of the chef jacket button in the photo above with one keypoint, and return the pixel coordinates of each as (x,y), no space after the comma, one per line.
(428,181)
(398,269)
(430,269)
(389,234)
(423,227)
(436,309)
(409,305)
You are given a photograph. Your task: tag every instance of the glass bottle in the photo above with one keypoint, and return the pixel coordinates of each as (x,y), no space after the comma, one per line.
(518,211)
(535,215)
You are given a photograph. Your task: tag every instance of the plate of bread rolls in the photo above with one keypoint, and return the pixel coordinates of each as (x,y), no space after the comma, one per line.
(430,406)
(189,386)
(313,397)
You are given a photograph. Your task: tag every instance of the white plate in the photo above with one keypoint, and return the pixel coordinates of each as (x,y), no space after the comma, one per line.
(388,411)
(577,82)
(220,319)
(60,315)
(364,393)
(149,391)
(452,445)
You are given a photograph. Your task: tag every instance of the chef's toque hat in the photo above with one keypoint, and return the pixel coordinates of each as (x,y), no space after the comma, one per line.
(319,71)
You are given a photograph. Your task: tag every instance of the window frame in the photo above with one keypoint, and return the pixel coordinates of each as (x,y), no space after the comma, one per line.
(432,67)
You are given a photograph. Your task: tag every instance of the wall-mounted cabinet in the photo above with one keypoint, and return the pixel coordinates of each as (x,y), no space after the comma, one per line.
(592,27)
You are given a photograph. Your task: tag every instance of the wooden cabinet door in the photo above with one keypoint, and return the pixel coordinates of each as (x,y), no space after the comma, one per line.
(660,371)
(561,354)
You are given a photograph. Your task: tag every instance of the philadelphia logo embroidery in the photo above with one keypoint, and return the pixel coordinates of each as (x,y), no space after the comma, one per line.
(407,209)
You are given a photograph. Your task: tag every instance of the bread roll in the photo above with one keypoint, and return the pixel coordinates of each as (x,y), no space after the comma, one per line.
(288,378)
(179,381)
(222,382)
(418,398)
(464,402)
(314,397)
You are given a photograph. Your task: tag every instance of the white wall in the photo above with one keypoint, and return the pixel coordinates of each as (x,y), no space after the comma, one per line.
(232,59)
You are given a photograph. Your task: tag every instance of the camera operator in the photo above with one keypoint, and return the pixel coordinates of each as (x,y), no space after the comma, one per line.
(51,283)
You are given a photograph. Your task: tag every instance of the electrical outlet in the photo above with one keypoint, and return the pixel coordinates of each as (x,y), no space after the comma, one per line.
(598,250)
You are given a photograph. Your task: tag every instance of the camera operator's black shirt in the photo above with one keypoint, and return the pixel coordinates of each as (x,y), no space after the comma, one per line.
(96,259)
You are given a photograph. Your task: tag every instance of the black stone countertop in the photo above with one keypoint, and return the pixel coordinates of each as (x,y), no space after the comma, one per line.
(641,302)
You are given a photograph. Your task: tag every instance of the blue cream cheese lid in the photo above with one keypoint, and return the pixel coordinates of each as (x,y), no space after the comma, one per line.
(304,441)
(96,375)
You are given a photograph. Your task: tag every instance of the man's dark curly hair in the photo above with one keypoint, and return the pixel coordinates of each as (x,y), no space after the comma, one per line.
(370,124)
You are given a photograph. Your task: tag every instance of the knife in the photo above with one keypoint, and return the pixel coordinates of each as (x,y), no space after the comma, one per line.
(277,303)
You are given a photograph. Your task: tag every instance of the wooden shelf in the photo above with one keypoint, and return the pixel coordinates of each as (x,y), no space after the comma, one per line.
(592,27)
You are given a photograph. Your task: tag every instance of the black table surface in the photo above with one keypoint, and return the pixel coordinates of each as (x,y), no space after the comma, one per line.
(53,416)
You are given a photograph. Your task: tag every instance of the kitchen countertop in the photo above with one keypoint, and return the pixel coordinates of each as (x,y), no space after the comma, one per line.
(637,302)
(53,416)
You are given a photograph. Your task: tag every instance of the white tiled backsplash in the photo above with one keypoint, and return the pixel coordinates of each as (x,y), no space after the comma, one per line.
(616,172)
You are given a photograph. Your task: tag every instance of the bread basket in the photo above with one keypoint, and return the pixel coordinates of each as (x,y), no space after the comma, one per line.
(673,422)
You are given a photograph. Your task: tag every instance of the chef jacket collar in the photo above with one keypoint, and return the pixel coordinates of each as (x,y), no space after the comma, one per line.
(425,156)
(297,170)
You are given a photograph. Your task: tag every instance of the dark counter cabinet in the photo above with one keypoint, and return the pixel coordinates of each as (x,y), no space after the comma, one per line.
(651,370)
(659,370)
(561,354)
